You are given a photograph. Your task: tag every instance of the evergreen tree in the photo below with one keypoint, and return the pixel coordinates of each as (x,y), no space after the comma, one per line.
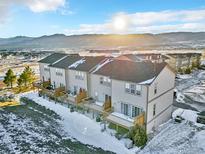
(27,77)
(10,78)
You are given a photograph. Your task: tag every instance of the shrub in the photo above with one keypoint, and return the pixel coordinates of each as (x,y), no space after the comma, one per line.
(138,135)
(98,118)
(180,70)
(187,70)
(72,109)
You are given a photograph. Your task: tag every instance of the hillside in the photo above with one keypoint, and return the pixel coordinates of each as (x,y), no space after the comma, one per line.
(178,40)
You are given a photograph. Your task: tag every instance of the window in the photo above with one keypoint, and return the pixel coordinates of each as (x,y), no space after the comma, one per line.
(138,89)
(125,109)
(59,72)
(154,109)
(133,89)
(46,68)
(155,88)
(79,75)
(136,111)
(105,81)
(127,87)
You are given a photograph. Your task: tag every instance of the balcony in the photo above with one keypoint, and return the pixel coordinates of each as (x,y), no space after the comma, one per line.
(102,107)
(125,121)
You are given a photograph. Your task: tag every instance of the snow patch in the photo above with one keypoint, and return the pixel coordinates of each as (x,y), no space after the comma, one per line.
(147,81)
(101,65)
(74,65)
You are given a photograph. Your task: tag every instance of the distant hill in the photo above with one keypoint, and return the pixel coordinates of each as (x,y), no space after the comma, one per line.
(176,40)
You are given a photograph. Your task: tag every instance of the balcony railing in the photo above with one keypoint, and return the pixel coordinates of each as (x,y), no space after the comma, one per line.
(140,119)
(107,105)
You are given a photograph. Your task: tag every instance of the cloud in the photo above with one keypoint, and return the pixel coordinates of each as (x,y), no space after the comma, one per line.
(148,22)
(43,5)
(36,6)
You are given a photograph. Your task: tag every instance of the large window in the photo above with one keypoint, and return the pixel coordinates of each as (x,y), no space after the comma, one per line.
(136,111)
(130,110)
(125,109)
(133,88)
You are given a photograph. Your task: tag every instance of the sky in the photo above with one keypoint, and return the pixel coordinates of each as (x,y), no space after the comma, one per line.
(72,17)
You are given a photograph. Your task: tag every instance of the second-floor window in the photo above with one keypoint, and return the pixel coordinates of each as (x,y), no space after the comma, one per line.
(133,88)
(59,72)
(46,68)
(79,75)
(105,81)
(154,109)
(155,88)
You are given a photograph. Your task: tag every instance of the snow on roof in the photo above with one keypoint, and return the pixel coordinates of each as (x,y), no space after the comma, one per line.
(101,65)
(147,81)
(74,65)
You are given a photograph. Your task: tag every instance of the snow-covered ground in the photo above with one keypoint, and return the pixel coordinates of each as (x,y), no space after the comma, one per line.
(82,128)
(182,138)
(191,89)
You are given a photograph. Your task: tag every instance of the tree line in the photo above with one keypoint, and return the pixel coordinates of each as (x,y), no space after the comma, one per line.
(26,78)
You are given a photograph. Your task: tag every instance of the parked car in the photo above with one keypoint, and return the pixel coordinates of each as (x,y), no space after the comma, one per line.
(201,117)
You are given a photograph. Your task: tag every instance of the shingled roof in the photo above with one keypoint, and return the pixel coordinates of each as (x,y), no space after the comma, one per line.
(52,58)
(66,62)
(88,63)
(131,71)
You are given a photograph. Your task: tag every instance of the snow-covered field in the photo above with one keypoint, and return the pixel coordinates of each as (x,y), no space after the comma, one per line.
(31,128)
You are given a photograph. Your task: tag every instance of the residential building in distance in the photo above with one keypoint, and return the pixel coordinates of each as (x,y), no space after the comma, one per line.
(183,60)
(125,89)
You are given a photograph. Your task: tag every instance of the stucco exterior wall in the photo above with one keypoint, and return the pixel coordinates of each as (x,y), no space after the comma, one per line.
(57,79)
(43,73)
(97,88)
(162,100)
(119,95)
(72,81)
(164,81)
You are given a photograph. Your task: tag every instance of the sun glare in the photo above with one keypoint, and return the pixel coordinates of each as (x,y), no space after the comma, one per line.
(119,23)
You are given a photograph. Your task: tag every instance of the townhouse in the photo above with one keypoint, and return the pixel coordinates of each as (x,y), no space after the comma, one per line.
(44,65)
(129,91)
(135,89)
(79,73)
(59,71)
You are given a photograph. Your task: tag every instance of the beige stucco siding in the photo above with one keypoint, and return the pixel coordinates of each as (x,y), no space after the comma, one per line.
(72,81)
(162,103)
(164,81)
(57,79)
(163,99)
(98,89)
(160,119)
(119,95)
(43,73)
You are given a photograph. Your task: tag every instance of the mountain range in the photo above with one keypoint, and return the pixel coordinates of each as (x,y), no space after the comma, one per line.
(175,40)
